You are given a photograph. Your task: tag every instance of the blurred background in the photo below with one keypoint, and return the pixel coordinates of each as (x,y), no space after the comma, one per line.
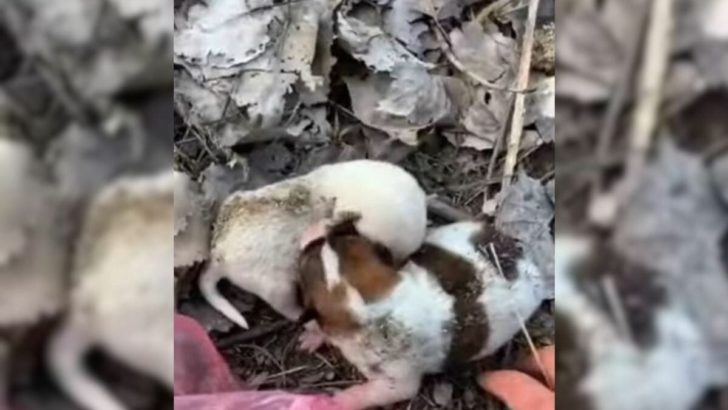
(642,204)
(85,100)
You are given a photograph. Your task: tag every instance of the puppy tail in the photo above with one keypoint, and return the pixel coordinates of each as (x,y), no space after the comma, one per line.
(64,355)
(208,287)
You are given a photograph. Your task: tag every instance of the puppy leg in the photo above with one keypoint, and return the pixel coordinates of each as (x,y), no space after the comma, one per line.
(312,337)
(380,391)
(283,299)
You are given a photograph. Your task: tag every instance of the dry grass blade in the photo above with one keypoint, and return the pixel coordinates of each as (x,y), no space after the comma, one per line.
(616,306)
(655,58)
(522,323)
(265,353)
(514,140)
(446,211)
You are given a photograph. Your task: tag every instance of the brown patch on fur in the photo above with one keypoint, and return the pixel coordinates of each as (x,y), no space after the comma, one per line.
(327,307)
(506,248)
(637,286)
(365,266)
(458,278)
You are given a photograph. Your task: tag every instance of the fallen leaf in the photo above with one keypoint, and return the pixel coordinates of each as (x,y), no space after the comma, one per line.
(541,107)
(57,34)
(589,60)
(402,103)
(489,54)
(191,224)
(442,394)
(262,87)
(525,213)
(34,228)
(219,181)
(364,33)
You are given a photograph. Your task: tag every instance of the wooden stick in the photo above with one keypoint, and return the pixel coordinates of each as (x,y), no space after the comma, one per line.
(522,323)
(446,211)
(524,68)
(655,59)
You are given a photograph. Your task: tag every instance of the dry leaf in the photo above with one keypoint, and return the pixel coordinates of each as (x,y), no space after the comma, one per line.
(525,213)
(402,103)
(371,38)
(589,60)
(59,33)
(541,107)
(33,242)
(191,222)
(442,394)
(489,54)
(265,86)
(83,159)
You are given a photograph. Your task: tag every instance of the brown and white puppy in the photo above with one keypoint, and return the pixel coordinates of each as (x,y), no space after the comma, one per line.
(451,303)
(255,243)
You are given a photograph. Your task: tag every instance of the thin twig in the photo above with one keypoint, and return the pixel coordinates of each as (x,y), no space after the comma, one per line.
(438,207)
(616,306)
(497,148)
(649,95)
(659,39)
(524,68)
(617,101)
(265,353)
(522,323)
(286,372)
(252,334)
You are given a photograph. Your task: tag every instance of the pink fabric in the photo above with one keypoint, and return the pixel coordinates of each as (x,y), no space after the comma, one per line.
(198,366)
(203,381)
(254,400)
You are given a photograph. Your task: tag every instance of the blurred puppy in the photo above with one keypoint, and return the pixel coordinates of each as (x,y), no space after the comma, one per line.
(255,243)
(453,302)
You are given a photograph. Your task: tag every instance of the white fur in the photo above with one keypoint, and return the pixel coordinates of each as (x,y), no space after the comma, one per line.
(505,303)
(259,250)
(419,309)
(672,375)
(123,298)
(392,205)
(331,266)
(406,335)
(191,226)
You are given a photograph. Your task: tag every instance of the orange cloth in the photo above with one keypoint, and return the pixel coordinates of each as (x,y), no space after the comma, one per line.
(525,387)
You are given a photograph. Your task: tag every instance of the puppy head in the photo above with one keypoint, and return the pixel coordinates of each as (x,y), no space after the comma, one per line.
(339,271)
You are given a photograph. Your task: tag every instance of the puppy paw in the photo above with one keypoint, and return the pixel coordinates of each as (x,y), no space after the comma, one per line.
(312,338)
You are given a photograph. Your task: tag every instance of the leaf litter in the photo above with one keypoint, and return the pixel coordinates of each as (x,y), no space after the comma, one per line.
(319,82)
(674,220)
(68,127)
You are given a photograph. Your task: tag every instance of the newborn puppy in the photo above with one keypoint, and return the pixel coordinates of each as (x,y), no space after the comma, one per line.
(255,242)
(122,295)
(451,303)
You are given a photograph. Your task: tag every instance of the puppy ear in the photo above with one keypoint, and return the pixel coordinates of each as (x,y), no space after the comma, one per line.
(344,224)
(384,255)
